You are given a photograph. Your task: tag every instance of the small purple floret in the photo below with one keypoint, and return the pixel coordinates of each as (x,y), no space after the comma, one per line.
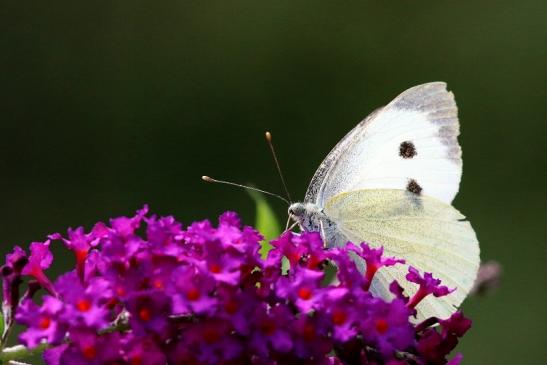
(374,260)
(43,322)
(39,260)
(428,285)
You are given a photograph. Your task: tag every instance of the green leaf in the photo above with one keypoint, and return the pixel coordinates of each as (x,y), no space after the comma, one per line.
(266,222)
(330,274)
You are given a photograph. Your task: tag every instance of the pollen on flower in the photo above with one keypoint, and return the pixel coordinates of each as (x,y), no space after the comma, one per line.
(293,256)
(80,255)
(157,284)
(231,306)
(120,291)
(193,294)
(339,317)
(305,293)
(44,323)
(371,271)
(215,268)
(83,305)
(145,314)
(136,360)
(89,352)
(381,325)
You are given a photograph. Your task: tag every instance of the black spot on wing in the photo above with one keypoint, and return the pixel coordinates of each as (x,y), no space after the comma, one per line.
(407,149)
(414,187)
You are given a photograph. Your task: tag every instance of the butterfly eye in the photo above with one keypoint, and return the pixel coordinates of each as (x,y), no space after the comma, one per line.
(296,210)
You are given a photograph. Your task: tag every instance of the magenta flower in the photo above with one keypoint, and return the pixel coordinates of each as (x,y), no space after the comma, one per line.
(457,325)
(343,317)
(164,235)
(310,337)
(221,263)
(84,306)
(191,292)
(285,247)
(149,313)
(456,360)
(16,260)
(40,259)
(80,243)
(11,281)
(314,255)
(203,295)
(301,250)
(398,291)
(304,290)
(428,285)
(43,322)
(374,260)
(347,274)
(126,226)
(434,345)
(237,306)
(211,342)
(387,326)
(272,332)
(198,233)
(143,350)
(89,349)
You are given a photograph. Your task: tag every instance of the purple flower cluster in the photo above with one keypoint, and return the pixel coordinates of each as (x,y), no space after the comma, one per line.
(146,291)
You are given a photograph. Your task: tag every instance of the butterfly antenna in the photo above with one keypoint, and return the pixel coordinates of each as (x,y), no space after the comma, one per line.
(270,143)
(211,180)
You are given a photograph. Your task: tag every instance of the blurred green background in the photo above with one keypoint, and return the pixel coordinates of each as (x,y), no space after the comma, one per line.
(109,105)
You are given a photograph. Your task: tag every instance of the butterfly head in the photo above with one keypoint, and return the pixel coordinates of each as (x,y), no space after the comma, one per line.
(297,211)
(306,214)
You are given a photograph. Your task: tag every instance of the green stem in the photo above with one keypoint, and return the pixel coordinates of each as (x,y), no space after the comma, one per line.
(19,352)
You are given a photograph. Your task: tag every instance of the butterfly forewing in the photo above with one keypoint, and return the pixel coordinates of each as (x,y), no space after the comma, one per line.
(410,144)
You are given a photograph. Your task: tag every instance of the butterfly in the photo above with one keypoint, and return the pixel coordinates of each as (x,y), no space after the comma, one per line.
(390,182)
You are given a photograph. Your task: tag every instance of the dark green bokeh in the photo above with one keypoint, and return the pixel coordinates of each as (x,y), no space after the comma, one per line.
(109,105)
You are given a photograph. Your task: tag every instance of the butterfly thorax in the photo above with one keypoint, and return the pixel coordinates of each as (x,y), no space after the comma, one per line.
(311,218)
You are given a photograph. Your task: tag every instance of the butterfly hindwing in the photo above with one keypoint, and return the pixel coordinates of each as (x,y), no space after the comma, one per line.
(410,144)
(429,234)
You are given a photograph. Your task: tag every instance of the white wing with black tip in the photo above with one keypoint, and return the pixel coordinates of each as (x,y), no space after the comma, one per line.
(410,144)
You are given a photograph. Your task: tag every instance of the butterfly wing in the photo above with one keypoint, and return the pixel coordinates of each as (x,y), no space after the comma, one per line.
(429,234)
(409,144)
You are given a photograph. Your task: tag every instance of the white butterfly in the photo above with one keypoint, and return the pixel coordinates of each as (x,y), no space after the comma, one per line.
(390,182)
